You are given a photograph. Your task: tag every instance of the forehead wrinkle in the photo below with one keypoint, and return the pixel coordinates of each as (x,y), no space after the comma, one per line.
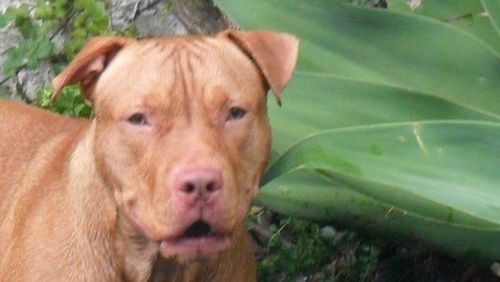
(204,44)
(168,55)
(162,51)
(188,60)
(193,51)
(188,83)
(178,88)
(145,47)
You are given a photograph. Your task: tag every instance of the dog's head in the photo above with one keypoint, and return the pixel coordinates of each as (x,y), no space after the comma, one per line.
(181,130)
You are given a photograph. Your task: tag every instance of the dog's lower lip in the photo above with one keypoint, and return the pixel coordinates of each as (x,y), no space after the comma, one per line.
(205,246)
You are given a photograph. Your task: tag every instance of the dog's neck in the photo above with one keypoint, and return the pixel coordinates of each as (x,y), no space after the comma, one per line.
(113,239)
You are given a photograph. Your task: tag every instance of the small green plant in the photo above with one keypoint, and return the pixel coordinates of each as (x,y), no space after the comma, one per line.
(69,103)
(302,250)
(39,25)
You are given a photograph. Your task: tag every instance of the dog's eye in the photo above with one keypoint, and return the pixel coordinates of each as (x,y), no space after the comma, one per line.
(236,113)
(138,119)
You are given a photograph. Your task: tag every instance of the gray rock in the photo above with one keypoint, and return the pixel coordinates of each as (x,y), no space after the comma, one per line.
(159,19)
(32,81)
(167,17)
(199,16)
(123,12)
(9,36)
(4,4)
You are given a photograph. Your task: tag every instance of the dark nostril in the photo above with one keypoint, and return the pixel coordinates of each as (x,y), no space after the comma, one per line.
(202,181)
(189,188)
(211,187)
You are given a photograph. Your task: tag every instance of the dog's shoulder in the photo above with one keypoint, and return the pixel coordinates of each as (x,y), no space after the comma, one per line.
(18,113)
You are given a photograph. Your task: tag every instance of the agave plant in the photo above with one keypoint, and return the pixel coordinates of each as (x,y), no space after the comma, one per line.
(391,124)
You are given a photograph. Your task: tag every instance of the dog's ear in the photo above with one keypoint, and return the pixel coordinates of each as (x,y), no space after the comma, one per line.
(275,53)
(89,64)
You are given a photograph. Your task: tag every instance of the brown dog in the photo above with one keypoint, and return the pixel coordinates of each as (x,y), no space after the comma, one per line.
(158,184)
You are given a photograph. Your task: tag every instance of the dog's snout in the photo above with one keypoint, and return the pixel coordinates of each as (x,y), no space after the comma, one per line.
(199,183)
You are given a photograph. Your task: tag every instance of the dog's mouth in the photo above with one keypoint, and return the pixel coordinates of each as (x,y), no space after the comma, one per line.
(199,229)
(199,240)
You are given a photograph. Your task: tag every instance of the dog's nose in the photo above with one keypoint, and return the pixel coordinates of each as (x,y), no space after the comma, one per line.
(199,183)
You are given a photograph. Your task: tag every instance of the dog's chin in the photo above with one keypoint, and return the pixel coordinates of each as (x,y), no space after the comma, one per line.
(192,249)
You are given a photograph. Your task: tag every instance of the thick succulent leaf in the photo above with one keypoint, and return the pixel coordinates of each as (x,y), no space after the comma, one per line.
(444,172)
(468,15)
(493,9)
(304,193)
(319,102)
(439,161)
(382,47)
(373,67)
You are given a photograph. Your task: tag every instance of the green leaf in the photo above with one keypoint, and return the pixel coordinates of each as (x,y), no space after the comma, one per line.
(71,48)
(384,75)
(80,21)
(43,48)
(441,174)
(8,16)
(22,12)
(445,10)
(70,102)
(98,25)
(493,8)
(16,58)
(315,102)
(382,47)
(44,97)
(44,11)
(467,15)
(94,8)
(79,33)
(28,28)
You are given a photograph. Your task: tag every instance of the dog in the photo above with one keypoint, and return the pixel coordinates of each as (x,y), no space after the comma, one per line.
(157,185)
